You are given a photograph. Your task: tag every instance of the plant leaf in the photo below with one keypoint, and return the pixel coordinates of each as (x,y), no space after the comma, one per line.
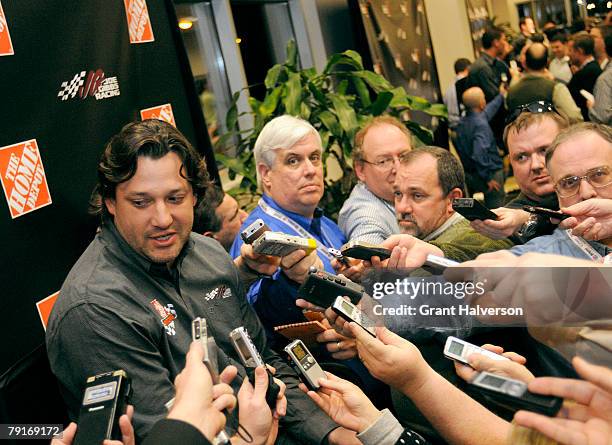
(362,91)
(272,76)
(293,94)
(377,83)
(231,118)
(330,122)
(382,102)
(291,61)
(270,102)
(346,114)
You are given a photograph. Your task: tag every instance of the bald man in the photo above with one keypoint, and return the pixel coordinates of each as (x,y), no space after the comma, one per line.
(536,84)
(477,147)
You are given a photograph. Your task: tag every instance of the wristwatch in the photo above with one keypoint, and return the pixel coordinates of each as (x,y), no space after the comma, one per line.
(529,228)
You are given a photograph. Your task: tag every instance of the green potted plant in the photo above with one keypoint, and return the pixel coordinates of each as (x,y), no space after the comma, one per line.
(335,101)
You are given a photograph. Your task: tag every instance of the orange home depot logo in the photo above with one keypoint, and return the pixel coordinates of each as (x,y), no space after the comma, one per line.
(162,112)
(139,23)
(6,46)
(44,307)
(23,178)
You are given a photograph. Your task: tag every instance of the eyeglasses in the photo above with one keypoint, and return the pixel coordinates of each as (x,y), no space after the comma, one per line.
(539,106)
(598,177)
(387,163)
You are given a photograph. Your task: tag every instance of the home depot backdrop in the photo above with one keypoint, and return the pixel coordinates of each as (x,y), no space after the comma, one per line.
(72,74)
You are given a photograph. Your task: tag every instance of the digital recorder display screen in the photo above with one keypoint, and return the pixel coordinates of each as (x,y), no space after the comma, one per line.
(492,381)
(348,308)
(455,348)
(100,393)
(299,352)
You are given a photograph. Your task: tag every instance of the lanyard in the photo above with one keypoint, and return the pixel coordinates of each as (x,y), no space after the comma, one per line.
(295,226)
(585,247)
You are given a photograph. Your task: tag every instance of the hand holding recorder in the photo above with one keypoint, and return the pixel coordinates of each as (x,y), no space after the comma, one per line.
(590,219)
(197,401)
(344,402)
(586,422)
(470,359)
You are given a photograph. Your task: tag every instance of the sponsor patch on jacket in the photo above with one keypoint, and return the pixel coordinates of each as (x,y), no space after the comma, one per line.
(167,316)
(222,291)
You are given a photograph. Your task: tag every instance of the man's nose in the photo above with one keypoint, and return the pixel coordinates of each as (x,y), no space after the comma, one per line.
(162,217)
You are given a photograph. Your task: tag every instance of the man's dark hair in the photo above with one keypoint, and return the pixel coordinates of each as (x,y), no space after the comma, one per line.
(461,65)
(559,37)
(205,217)
(536,57)
(538,38)
(150,138)
(450,171)
(585,42)
(490,35)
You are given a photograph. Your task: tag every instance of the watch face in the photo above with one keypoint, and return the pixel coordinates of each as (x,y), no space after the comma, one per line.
(530,228)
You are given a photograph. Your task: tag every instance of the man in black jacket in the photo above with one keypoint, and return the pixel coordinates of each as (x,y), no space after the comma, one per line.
(582,55)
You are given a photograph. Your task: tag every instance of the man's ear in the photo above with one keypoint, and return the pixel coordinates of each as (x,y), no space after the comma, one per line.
(110,205)
(358,166)
(264,174)
(454,193)
(209,234)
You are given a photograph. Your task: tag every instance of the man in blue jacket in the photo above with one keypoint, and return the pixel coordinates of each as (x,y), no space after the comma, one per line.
(288,155)
(478,150)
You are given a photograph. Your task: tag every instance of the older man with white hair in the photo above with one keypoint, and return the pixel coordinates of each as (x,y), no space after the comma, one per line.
(289,159)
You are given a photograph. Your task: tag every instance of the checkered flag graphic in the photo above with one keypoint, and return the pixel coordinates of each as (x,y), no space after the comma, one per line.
(69,90)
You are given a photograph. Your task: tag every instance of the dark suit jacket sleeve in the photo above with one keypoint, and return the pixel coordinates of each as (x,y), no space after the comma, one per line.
(304,420)
(171,431)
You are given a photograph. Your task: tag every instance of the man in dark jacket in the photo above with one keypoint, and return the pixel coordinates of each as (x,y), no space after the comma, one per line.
(129,300)
(477,147)
(582,55)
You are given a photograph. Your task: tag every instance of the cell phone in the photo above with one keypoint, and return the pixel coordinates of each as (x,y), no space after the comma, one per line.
(105,400)
(549,213)
(280,244)
(322,288)
(513,65)
(437,263)
(514,395)
(253,231)
(364,251)
(305,364)
(250,358)
(472,209)
(459,350)
(350,312)
(199,333)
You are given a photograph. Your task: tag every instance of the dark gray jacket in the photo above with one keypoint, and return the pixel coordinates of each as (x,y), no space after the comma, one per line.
(116,310)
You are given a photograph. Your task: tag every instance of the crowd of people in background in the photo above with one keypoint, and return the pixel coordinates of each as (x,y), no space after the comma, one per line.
(169,250)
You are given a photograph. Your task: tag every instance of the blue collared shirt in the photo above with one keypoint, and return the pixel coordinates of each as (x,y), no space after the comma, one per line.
(366,217)
(558,243)
(274,297)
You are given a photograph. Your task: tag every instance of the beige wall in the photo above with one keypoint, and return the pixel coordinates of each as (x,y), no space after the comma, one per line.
(450,36)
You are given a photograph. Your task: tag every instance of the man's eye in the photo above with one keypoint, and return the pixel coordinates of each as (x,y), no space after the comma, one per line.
(521,158)
(315,159)
(176,199)
(292,161)
(139,202)
(418,196)
(569,182)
